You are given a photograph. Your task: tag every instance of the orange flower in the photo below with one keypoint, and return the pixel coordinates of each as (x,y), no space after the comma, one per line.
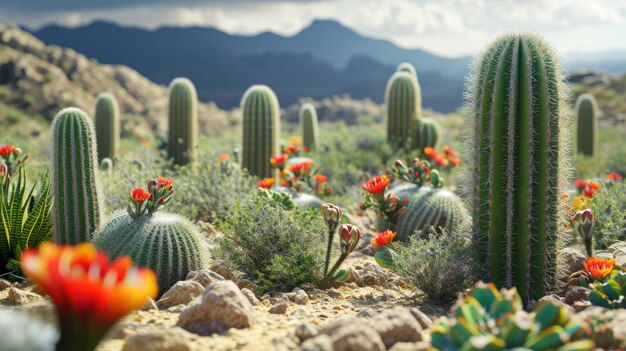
(595,186)
(383,239)
(290,149)
(164,182)
(139,195)
(440,160)
(279,160)
(284,182)
(90,292)
(589,192)
(454,161)
(224,157)
(300,167)
(613,176)
(376,186)
(320,178)
(430,152)
(6,150)
(599,267)
(266,183)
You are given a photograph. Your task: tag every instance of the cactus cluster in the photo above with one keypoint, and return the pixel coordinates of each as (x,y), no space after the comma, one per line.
(586,124)
(107,126)
(78,208)
(183,122)
(518,157)
(487,319)
(308,123)
(427,133)
(403,102)
(261,130)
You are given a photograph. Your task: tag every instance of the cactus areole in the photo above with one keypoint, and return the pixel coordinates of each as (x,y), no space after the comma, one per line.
(517,162)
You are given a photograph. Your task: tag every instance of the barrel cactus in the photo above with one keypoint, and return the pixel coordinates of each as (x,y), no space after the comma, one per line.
(78,203)
(308,122)
(403,101)
(182,140)
(427,133)
(487,319)
(168,244)
(407,67)
(261,129)
(517,160)
(586,124)
(107,126)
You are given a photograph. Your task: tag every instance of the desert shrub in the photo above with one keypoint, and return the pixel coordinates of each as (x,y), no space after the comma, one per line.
(609,208)
(440,266)
(277,247)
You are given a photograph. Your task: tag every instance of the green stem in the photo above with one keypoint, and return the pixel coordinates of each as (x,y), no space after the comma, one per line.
(589,246)
(331,274)
(76,336)
(331,235)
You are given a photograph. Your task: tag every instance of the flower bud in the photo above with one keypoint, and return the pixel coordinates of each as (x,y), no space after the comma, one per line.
(332,215)
(17,152)
(3,169)
(349,236)
(153,186)
(584,221)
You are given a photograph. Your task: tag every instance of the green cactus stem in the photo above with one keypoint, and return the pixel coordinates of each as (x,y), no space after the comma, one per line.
(586,124)
(403,101)
(107,126)
(308,123)
(183,122)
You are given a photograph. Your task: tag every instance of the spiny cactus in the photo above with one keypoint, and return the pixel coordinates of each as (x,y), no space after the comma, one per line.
(586,124)
(308,122)
(611,293)
(407,67)
(427,133)
(261,129)
(518,158)
(487,319)
(183,122)
(78,202)
(403,101)
(107,126)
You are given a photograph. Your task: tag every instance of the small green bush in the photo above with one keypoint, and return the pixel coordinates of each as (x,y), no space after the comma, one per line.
(279,248)
(609,208)
(440,266)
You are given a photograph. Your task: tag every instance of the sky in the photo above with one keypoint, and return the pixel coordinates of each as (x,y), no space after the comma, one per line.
(448,28)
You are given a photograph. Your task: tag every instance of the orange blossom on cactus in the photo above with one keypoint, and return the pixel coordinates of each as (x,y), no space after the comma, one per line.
(383,239)
(266,183)
(377,185)
(599,267)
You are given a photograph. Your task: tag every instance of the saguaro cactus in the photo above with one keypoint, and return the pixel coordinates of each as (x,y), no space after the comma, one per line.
(107,126)
(183,121)
(427,134)
(261,129)
(403,101)
(407,67)
(78,207)
(586,124)
(518,159)
(308,122)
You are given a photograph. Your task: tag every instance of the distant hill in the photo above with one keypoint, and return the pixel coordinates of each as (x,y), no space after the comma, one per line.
(322,60)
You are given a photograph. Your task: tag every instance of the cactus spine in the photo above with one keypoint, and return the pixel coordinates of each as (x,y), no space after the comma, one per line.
(261,129)
(403,102)
(407,67)
(428,133)
(587,124)
(107,126)
(183,121)
(518,159)
(310,132)
(78,207)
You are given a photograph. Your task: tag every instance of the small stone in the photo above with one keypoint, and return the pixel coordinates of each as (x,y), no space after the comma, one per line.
(204,277)
(149,305)
(180,293)
(333,293)
(300,297)
(171,339)
(247,284)
(411,346)
(298,313)
(366,313)
(373,274)
(396,325)
(251,297)
(289,296)
(569,262)
(352,334)
(223,271)
(355,277)
(575,294)
(5,284)
(279,307)
(21,297)
(421,318)
(318,343)
(554,298)
(305,331)
(220,307)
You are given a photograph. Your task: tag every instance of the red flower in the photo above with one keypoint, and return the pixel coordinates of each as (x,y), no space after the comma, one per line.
(301,167)
(320,178)
(430,152)
(595,186)
(6,150)
(440,160)
(139,195)
(383,239)
(224,157)
(376,186)
(589,192)
(581,183)
(613,176)
(279,161)
(290,149)
(90,292)
(164,182)
(599,267)
(266,183)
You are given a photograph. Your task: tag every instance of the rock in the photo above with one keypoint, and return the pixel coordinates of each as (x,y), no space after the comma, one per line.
(171,339)
(411,346)
(149,305)
(554,298)
(300,297)
(204,277)
(180,293)
(246,284)
(421,318)
(575,294)
(21,297)
(396,325)
(366,313)
(220,307)
(223,271)
(355,277)
(319,343)
(618,250)
(352,334)
(373,274)
(569,261)
(251,297)
(305,331)
(5,284)
(279,307)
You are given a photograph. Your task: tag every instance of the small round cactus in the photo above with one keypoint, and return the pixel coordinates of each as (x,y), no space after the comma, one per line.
(106,164)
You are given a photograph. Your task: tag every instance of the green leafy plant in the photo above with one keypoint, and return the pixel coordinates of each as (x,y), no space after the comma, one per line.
(488,319)
(609,208)
(612,292)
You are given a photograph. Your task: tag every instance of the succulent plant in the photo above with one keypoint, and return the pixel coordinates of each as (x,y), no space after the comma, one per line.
(611,293)
(309,125)
(107,126)
(586,124)
(407,67)
(487,319)
(78,207)
(518,145)
(182,140)
(106,164)
(403,101)
(427,133)
(261,130)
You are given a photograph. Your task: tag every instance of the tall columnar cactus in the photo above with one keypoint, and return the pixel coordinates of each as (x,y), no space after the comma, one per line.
(403,101)
(427,133)
(78,207)
(308,122)
(586,124)
(183,121)
(407,67)
(261,130)
(518,159)
(107,126)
